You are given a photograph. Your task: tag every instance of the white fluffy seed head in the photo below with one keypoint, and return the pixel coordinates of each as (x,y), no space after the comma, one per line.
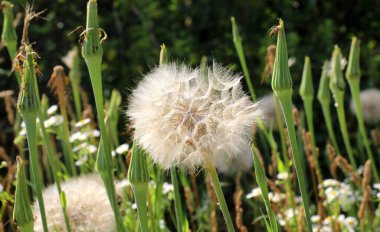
(189,118)
(370,104)
(87,206)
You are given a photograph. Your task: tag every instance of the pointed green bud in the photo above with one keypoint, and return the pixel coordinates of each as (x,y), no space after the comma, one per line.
(307,89)
(281,79)
(235,31)
(22,212)
(138,172)
(164,59)
(8,36)
(91,44)
(28,101)
(336,76)
(323,90)
(353,68)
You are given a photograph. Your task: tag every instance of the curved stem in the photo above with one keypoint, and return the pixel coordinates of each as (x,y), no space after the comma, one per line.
(286,102)
(94,68)
(219,193)
(327,115)
(355,89)
(339,104)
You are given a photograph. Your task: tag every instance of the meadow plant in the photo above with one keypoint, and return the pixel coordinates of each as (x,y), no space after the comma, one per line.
(205,119)
(282,87)
(87,206)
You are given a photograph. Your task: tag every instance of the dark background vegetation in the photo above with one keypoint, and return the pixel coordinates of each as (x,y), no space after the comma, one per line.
(191,29)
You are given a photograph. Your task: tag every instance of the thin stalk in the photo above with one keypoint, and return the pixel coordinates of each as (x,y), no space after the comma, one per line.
(65,138)
(286,102)
(262,182)
(308,104)
(177,199)
(327,115)
(339,104)
(240,51)
(94,67)
(355,89)
(219,193)
(53,165)
(31,133)
(281,130)
(140,191)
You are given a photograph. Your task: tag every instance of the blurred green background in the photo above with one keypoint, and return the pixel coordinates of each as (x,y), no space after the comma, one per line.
(192,29)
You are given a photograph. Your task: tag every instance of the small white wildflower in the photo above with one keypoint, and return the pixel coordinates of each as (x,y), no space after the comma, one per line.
(315,218)
(370,105)
(3,164)
(350,223)
(52,110)
(1,188)
(78,136)
(122,149)
(188,118)
(330,183)
(123,183)
(162,224)
(376,186)
(81,161)
(88,206)
(134,206)
(281,221)
(331,194)
(378,195)
(113,153)
(22,132)
(276,197)
(166,188)
(82,123)
(291,61)
(283,176)
(93,133)
(256,192)
(55,120)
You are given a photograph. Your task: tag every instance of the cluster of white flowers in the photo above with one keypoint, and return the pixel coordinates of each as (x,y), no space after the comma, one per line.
(339,195)
(190,118)
(346,223)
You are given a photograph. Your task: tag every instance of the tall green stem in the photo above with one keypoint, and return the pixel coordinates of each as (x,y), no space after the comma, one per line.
(286,102)
(30,124)
(327,115)
(339,104)
(94,67)
(355,89)
(219,193)
(177,199)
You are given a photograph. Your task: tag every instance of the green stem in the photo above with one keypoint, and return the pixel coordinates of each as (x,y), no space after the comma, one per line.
(65,137)
(286,102)
(12,51)
(140,191)
(94,67)
(327,115)
(27,228)
(53,164)
(339,104)
(177,199)
(31,129)
(308,104)
(77,101)
(219,193)
(355,89)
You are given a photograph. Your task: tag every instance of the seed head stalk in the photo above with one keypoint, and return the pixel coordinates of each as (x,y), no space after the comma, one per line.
(92,53)
(173,170)
(219,194)
(353,74)
(75,77)
(282,87)
(337,86)
(325,100)
(138,176)
(307,95)
(28,106)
